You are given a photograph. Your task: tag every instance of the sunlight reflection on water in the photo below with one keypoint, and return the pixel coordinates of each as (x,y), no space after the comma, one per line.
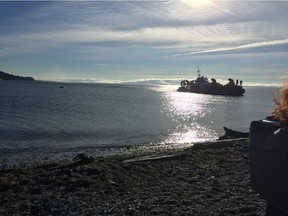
(188,111)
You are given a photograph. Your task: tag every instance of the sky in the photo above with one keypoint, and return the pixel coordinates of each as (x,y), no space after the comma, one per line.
(142,41)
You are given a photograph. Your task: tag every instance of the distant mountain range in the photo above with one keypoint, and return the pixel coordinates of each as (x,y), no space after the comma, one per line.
(6,76)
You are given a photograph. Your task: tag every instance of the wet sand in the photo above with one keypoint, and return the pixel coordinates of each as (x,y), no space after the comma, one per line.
(206,179)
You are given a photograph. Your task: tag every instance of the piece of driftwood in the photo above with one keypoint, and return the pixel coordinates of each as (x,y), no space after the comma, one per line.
(232,134)
(80,159)
(150,158)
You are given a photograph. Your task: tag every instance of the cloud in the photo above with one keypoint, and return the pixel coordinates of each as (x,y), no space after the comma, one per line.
(245,46)
(141,34)
(167,22)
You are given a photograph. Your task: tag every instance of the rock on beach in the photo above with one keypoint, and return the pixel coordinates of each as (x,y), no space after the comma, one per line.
(206,179)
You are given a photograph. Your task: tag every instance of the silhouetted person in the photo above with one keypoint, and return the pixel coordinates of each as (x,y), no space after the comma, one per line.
(268,157)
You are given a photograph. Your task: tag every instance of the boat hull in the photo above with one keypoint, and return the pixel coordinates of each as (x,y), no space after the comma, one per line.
(224,90)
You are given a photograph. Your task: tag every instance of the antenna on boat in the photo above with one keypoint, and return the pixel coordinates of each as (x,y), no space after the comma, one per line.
(198,71)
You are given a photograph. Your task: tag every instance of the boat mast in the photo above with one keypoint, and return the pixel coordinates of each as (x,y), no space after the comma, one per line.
(198,71)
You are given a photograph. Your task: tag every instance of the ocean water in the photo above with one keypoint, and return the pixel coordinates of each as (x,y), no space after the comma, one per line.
(40,121)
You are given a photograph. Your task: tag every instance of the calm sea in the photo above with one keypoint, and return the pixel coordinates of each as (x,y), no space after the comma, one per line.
(41,121)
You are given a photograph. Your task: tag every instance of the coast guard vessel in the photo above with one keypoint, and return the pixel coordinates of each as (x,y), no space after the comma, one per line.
(202,85)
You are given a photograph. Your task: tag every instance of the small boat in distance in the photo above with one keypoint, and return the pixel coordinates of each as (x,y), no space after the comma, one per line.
(202,86)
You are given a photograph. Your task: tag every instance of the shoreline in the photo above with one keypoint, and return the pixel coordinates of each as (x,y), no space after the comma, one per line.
(30,157)
(205,179)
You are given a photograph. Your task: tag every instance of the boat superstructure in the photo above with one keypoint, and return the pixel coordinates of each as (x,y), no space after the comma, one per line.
(202,85)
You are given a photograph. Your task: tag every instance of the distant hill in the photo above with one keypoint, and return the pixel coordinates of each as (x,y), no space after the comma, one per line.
(6,76)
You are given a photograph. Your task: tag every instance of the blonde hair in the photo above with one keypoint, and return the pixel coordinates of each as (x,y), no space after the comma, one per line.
(281,111)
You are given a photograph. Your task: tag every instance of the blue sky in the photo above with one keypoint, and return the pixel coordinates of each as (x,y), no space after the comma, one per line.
(128,41)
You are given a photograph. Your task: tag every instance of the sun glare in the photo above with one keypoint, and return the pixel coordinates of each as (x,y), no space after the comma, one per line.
(198,3)
(184,109)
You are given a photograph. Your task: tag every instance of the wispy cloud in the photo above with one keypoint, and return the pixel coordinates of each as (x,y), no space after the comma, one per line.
(133,32)
(245,46)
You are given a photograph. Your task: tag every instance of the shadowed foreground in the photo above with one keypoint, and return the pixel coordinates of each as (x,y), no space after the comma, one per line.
(207,179)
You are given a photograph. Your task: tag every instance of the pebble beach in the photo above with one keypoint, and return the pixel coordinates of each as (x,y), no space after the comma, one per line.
(205,179)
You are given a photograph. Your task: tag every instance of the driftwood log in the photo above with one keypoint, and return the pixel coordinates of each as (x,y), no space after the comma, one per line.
(79,160)
(232,134)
